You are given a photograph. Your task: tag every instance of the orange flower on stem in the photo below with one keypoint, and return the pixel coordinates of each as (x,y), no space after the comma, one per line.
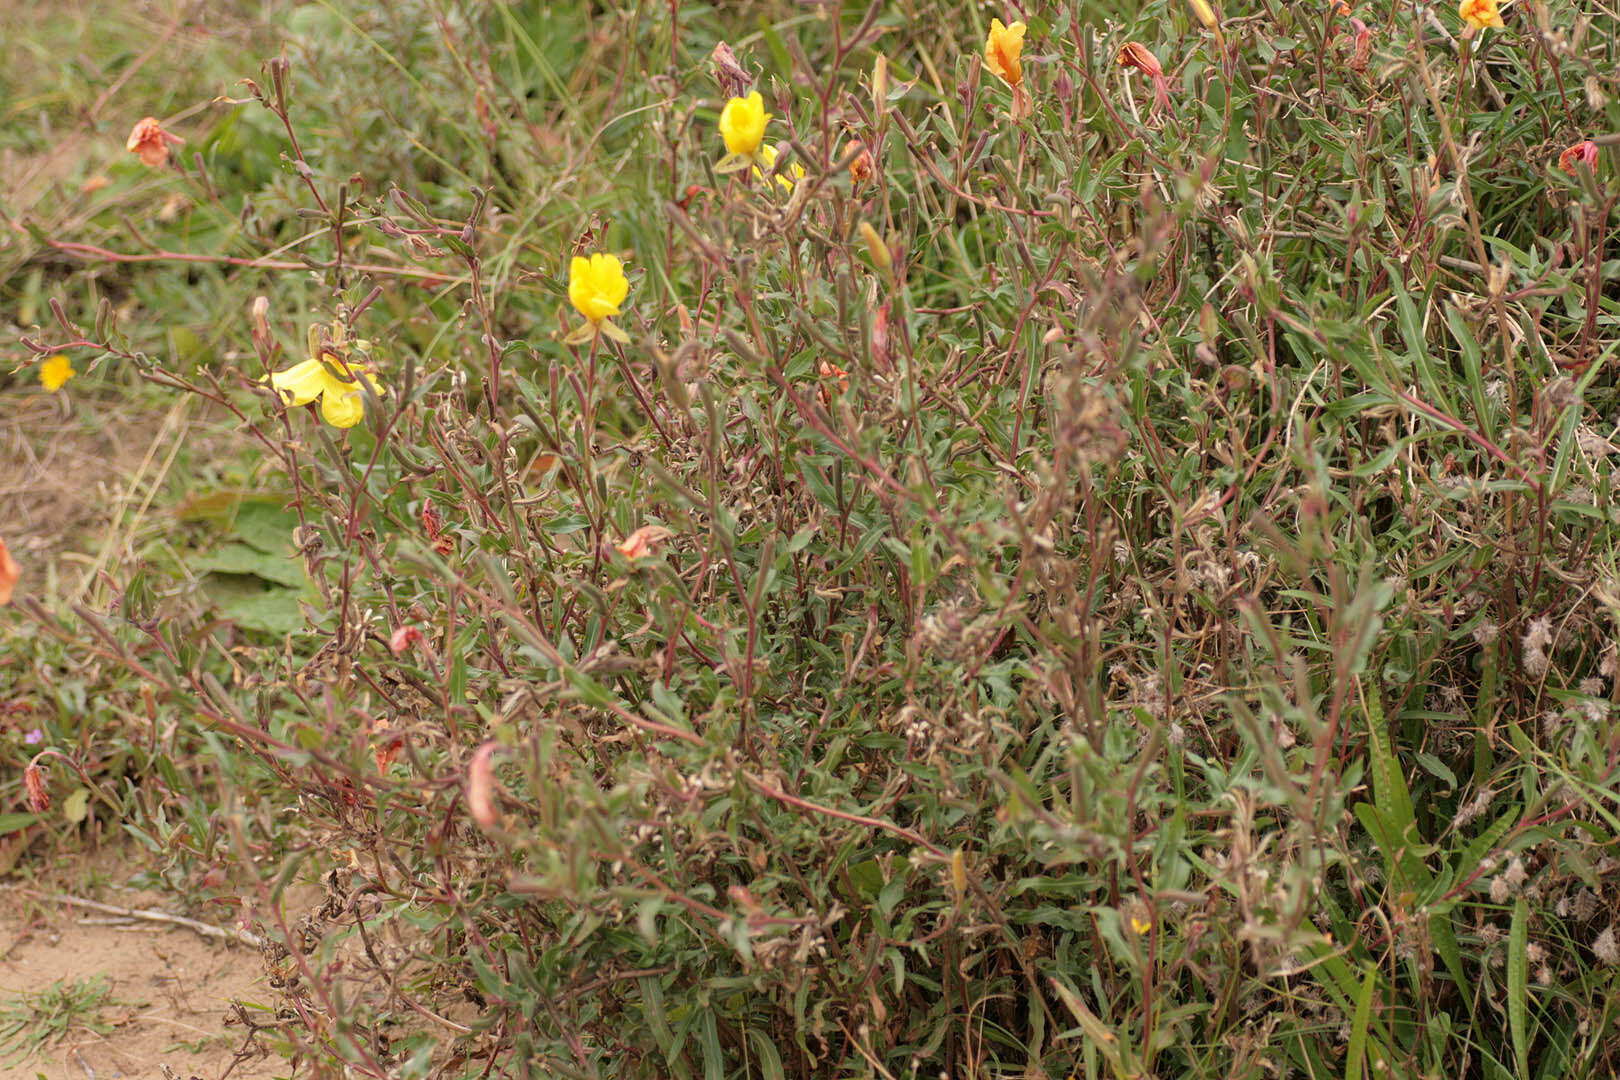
(1479,14)
(1586,150)
(385,747)
(1133,54)
(839,377)
(150,142)
(643,542)
(10,573)
(1003,55)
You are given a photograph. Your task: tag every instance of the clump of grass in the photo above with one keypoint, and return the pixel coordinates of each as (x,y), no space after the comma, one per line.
(33,1022)
(1106,571)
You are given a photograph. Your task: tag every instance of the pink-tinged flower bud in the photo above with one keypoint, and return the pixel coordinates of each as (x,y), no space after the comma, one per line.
(481,786)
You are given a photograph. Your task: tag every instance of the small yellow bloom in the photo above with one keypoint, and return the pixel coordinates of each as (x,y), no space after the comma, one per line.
(1140,926)
(342,400)
(1002,50)
(767,158)
(742,124)
(1479,14)
(597,286)
(56,371)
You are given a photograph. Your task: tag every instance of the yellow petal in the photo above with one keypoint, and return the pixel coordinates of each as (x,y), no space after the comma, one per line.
(56,371)
(597,286)
(301,383)
(742,123)
(343,409)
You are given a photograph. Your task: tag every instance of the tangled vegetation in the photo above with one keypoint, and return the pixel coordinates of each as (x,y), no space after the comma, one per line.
(1075,541)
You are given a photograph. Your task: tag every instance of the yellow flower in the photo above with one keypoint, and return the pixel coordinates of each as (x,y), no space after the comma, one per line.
(1140,926)
(1002,50)
(56,371)
(742,124)
(767,158)
(1479,14)
(342,400)
(597,286)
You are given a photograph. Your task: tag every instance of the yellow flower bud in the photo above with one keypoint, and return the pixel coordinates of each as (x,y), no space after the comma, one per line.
(875,246)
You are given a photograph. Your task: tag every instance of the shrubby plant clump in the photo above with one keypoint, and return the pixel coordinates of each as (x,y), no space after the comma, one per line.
(800,542)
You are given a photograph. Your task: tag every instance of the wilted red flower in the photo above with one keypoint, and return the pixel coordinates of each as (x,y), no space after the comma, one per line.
(860,165)
(149,142)
(1586,150)
(39,798)
(1133,54)
(1362,50)
(434,526)
(481,785)
(733,79)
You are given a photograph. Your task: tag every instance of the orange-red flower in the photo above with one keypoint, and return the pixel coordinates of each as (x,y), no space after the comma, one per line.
(835,375)
(385,747)
(643,542)
(1586,150)
(149,142)
(1133,54)
(838,375)
(10,573)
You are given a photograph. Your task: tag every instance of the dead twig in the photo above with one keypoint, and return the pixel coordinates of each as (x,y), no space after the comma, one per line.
(205,929)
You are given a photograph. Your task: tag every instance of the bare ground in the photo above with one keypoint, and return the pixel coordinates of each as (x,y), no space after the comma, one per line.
(168,996)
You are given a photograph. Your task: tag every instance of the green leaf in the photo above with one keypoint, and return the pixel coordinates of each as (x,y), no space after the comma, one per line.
(76,807)
(243,559)
(1355,1058)
(1518,977)
(10,823)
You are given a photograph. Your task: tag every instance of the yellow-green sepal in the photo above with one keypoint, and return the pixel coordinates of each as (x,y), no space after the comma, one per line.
(581,334)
